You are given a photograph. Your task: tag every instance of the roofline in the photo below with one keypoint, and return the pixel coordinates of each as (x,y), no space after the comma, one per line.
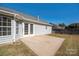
(24,18)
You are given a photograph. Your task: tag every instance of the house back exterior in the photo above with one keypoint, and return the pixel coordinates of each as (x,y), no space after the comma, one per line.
(14,26)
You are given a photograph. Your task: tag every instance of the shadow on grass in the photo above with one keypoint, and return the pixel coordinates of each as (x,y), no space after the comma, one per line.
(16,49)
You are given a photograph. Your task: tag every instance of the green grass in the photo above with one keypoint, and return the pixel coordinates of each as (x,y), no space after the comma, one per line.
(70,46)
(16,49)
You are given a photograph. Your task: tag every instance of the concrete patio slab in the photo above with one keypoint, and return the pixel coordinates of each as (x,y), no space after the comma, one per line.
(43,45)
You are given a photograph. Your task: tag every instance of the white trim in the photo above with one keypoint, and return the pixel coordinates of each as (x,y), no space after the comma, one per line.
(13,32)
(6,12)
(28,29)
(23,28)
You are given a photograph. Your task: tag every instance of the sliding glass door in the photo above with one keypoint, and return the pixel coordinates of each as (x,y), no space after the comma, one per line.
(28,28)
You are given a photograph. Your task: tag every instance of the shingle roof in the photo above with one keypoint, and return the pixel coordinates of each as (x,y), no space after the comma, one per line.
(23,16)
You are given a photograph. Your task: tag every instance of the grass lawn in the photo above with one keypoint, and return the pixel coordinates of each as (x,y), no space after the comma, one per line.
(70,46)
(16,49)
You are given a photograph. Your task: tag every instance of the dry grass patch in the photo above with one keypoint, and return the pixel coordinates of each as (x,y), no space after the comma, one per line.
(16,49)
(70,46)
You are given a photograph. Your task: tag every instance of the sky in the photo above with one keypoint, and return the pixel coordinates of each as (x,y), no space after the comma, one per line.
(51,12)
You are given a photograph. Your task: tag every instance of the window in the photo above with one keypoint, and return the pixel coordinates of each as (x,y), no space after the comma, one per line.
(46,27)
(5,25)
(26,28)
(17,27)
(31,28)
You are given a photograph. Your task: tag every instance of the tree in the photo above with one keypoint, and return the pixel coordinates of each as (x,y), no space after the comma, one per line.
(73,26)
(62,25)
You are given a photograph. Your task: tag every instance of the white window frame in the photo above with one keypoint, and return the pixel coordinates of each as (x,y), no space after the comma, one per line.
(5,26)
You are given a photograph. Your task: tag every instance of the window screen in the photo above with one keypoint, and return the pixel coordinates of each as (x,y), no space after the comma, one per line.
(26,28)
